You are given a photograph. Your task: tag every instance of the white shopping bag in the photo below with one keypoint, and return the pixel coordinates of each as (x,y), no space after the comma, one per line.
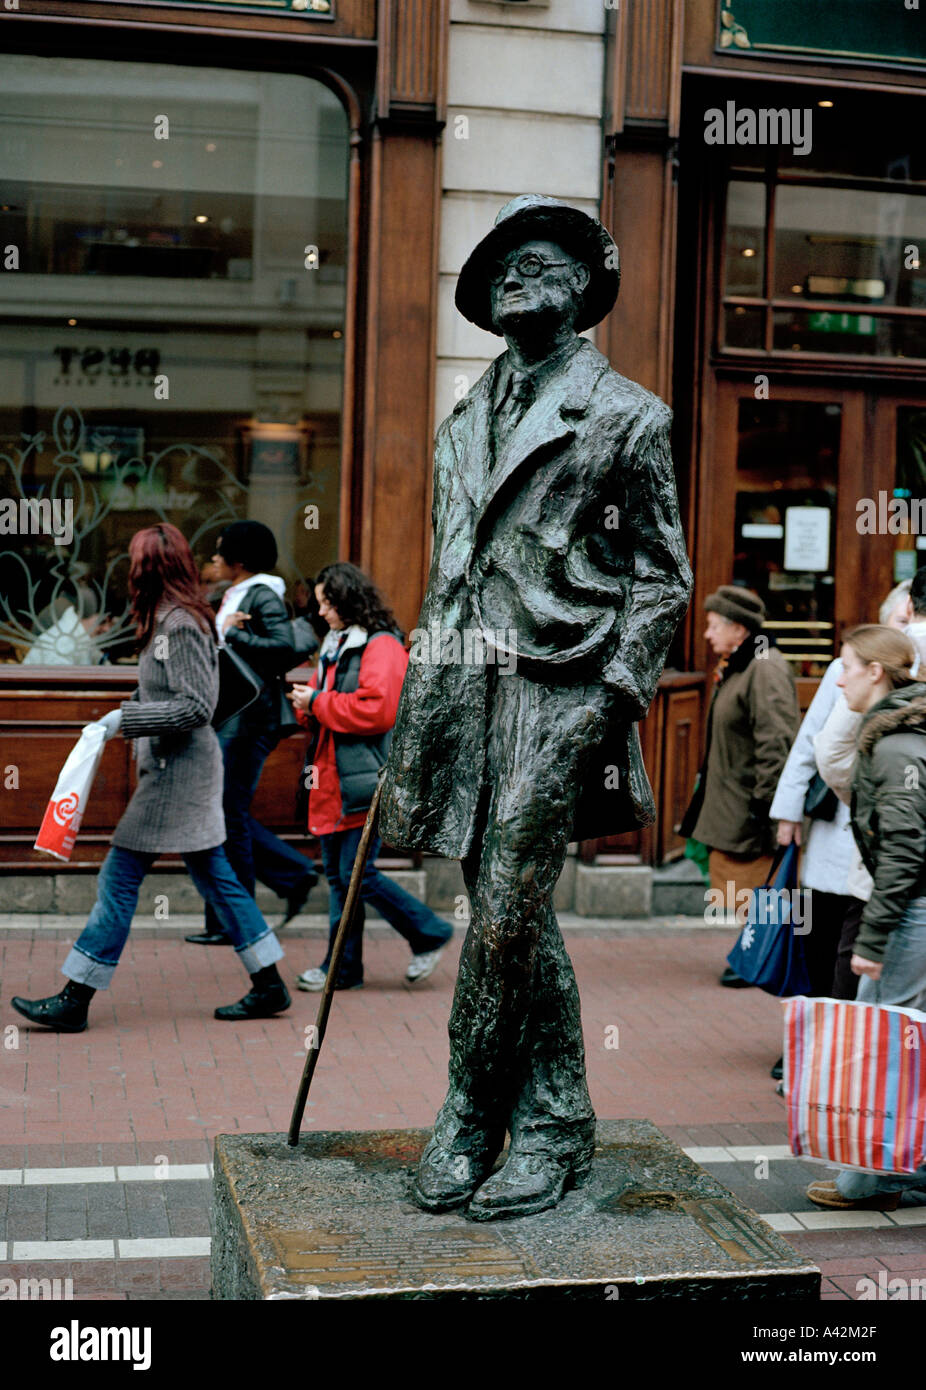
(69,799)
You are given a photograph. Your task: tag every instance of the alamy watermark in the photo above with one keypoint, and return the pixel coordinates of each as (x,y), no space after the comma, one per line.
(38,516)
(742,125)
(32,1290)
(893,1287)
(889,515)
(473,646)
(764,906)
(77,1343)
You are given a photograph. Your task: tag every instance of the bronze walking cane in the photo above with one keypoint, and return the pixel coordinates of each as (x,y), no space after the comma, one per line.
(348,917)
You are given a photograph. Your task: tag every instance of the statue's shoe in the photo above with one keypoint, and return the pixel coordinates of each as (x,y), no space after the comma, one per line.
(448,1177)
(528,1183)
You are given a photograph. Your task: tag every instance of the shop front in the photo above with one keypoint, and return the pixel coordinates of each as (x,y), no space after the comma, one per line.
(191,209)
(810,418)
(765,175)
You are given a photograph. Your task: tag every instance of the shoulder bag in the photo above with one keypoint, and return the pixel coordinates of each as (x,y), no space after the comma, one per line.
(239,687)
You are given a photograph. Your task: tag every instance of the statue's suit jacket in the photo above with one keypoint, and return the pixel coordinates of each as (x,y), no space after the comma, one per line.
(571,540)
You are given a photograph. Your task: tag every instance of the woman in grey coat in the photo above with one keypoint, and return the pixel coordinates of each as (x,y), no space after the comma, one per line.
(177,805)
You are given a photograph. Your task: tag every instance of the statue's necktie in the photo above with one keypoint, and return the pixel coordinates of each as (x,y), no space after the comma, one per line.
(516,404)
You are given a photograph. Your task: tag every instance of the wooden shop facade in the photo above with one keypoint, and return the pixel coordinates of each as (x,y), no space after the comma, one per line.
(219,231)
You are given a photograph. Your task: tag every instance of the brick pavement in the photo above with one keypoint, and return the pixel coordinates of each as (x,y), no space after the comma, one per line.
(156,1077)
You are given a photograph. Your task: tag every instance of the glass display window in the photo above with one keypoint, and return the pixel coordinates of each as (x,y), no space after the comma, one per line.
(823,254)
(172,347)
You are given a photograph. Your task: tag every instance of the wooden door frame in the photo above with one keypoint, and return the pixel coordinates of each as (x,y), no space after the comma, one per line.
(716,541)
(880,474)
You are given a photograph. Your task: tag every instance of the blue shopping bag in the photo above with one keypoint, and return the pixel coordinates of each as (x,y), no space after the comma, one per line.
(770,950)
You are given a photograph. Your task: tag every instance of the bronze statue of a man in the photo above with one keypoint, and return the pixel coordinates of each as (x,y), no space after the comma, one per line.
(557,543)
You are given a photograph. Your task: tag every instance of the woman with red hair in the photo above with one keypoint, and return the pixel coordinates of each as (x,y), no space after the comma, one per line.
(177,804)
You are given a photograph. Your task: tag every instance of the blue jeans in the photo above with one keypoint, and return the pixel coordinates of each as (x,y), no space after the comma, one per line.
(422,928)
(95,954)
(902,983)
(253,851)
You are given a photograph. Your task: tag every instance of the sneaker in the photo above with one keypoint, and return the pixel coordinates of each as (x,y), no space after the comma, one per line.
(312,980)
(420,967)
(827,1194)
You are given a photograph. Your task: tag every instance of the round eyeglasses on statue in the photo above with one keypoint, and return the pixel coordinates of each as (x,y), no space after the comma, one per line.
(530,265)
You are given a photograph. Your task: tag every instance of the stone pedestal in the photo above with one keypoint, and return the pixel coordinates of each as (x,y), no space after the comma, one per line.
(333,1219)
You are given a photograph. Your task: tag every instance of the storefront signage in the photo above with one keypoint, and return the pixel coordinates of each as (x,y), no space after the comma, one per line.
(306,9)
(114,361)
(858,30)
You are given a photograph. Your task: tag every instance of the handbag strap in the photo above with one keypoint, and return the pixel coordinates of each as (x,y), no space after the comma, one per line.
(777,861)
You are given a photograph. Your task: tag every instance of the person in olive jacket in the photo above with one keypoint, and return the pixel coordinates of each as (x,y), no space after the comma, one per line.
(889,825)
(752,722)
(253,622)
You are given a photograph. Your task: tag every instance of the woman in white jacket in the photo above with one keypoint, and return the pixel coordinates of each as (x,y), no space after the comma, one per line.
(830,863)
(834,749)
(828,850)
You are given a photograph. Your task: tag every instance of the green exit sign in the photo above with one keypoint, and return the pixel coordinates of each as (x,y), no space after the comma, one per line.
(823,322)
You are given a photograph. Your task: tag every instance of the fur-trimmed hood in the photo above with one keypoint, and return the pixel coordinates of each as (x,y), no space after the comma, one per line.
(903,711)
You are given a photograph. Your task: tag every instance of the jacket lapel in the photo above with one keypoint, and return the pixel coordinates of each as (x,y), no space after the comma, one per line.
(470,425)
(550,420)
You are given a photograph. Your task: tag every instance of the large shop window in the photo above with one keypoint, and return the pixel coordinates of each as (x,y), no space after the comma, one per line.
(818,269)
(174,250)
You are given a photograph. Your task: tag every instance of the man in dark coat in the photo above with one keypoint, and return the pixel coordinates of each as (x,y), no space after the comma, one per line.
(558,579)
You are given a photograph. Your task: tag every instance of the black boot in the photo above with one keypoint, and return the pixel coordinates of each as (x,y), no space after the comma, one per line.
(65,1012)
(268,997)
(210,938)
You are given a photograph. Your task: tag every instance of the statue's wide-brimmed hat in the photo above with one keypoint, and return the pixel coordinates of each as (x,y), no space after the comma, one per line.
(534,217)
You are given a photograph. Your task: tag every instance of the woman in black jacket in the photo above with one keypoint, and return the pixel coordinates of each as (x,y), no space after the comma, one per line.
(889,825)
(252,621)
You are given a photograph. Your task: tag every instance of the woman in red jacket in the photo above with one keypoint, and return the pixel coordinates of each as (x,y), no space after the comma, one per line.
(350,707)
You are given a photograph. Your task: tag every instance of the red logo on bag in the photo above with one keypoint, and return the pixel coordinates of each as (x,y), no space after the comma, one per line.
(64,809)
(60,825)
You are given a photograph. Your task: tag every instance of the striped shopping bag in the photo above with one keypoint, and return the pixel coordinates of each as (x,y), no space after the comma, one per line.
(855,1084)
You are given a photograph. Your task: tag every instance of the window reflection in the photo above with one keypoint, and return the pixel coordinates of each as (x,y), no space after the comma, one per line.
(848,334)
(833,247)
(744,328)
(172,344)
(849,244)
(745,241)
